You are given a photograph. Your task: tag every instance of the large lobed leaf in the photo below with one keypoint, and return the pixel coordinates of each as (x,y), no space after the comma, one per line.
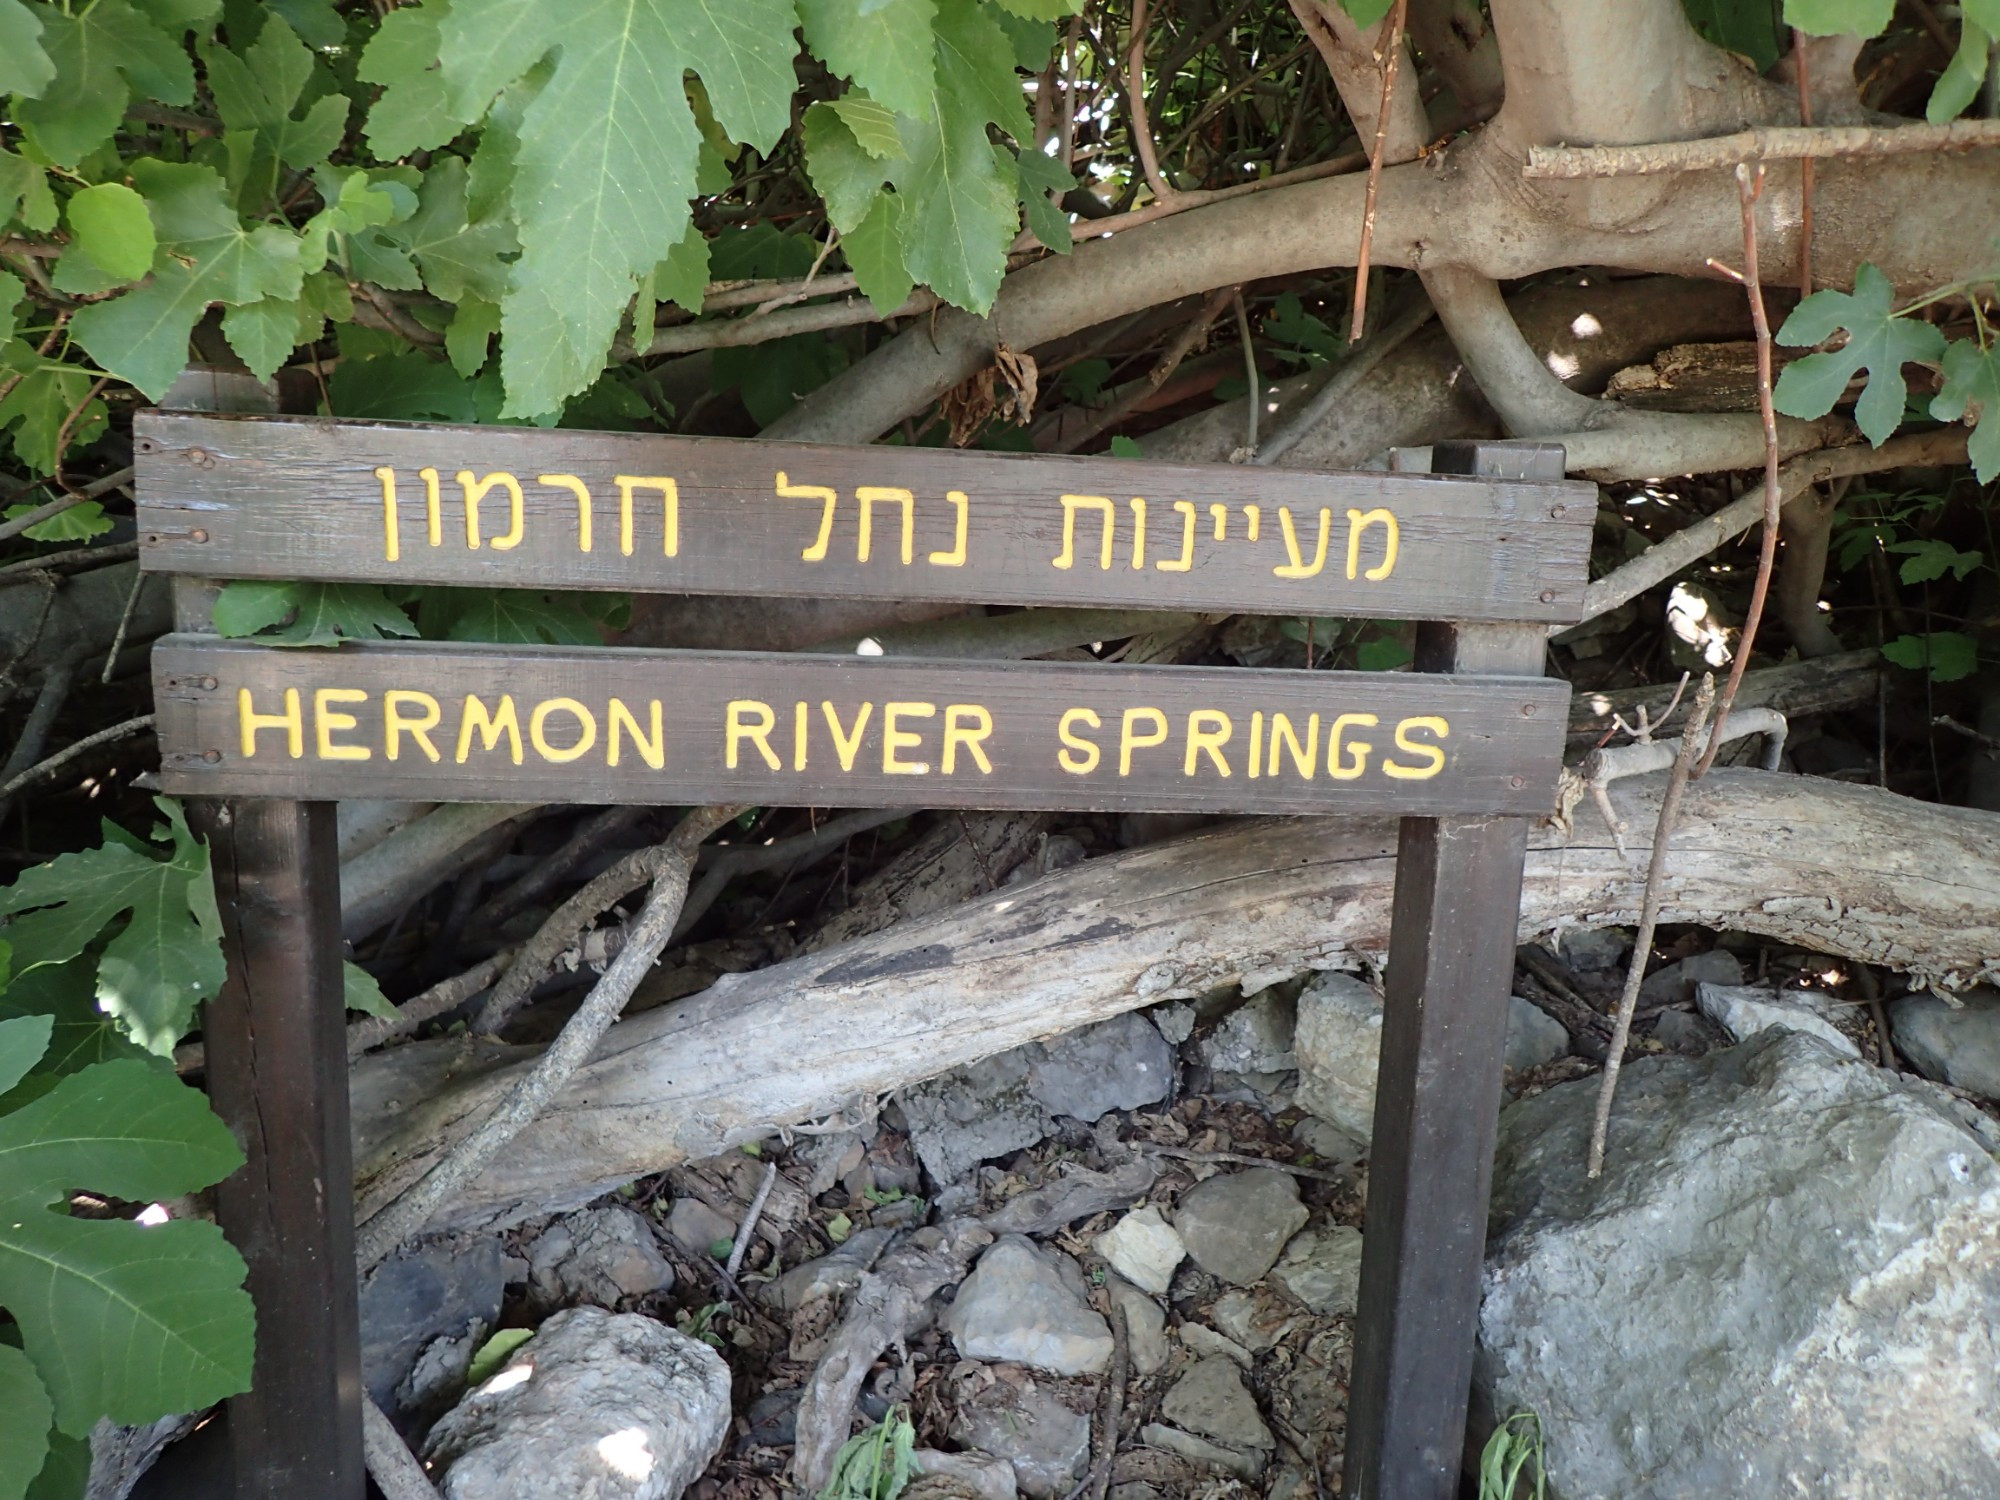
(1972,393)
(1877,341)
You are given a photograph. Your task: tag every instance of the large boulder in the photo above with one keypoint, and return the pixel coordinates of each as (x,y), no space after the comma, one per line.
(1959,1045)
(596,1406)
(1783,1283)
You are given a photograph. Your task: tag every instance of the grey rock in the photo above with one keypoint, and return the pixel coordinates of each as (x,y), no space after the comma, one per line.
(1337,1042)
(773,1420)
(1322,1268)
(1782,1284)
(1674,984)
(1047,1443)
(1745,1010)
(1212,1400)
(696,1227)
(1681,1029)
(1254,1321)
(1134,1489)
(1122,1063)
(1186,1445)
(830,1275)
(982,1110)
(981,1476)
(1594,949)
(1175,1020)
(1077,1194)
(598,1256)
(1959,1047)
(449,1289)
(596,1406)
(1204,1342)
(1017,1305)
(1144,1249)
(1256,1037)
(1235,1225)
(1534,1036)
(438,1375)
(1145,1326)
(1329,1142)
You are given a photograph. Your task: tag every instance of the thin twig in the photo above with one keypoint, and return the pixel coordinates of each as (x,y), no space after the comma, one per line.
(411,1209)
(1763,143)
(76,559)
(1250,374)
(1984,741)
(589,837)
(56,683)
(1162,370)
(445,995)
(69,426)
(1749,186)
(748,1228)
(1098,1480)
(92,491)
(1135,100)
(1391,56)
(1649,915)
(63,757)
(124,624)
(391,1465)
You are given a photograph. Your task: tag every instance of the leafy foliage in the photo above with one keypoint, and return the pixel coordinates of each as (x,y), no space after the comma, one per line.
(877,1464)
(1878,342)
(1948,655)
(1511,1461)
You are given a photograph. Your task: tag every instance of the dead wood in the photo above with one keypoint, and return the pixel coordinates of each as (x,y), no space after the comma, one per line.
(1834,868)
(1795,689)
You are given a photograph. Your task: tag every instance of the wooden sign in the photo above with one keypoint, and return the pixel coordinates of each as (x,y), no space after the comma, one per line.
(547,724)
(520,507)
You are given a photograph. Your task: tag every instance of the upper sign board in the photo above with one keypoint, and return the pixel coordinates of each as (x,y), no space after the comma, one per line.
(522,507)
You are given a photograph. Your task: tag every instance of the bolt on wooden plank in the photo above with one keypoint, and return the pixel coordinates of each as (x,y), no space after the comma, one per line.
(516,724)
(516,507)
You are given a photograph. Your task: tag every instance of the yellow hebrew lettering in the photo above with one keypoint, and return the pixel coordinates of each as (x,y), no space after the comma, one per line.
(433,506)
(894,739)
(752,721)
(956,557)
(1071,504)
(392,542)
(1305,758)
(1185,561)
(1128,741)
(1359,521)
(1297,567)
(1354,767)
(670,502)
(1256,744)
(1219,514)
(872,495)
(969,725)
(845,745)
(582,492)
(292,721)
(1207,729)
(1431,724)
(801,719)
(1138,532)
(396,723)
(1252,514)
(474,717)
(327,719)
(475,491)
(829,498)
(1067,757)
(651,744)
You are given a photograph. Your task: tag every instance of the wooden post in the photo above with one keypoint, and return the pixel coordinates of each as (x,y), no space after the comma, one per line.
(277,1075)
(1437,1101)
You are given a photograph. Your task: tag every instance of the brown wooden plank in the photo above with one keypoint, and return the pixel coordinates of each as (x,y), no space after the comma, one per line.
(287,497)
(985,734)
(1451,948)
(277,1072)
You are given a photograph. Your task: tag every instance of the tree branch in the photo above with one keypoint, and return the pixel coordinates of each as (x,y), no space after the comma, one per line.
(1763,143)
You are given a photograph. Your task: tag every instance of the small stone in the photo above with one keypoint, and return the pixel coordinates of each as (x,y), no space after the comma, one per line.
(1534,1036)
(1674,984)
(1256,1037)
(977,1474)
(1204,1343)
(1235,1225)
(1337,1042)
(1175,1020)
(1322,1268)
(1681,1029)
(696,1227)
(1960,1047)
(1211,1400)
(1047,1443)
(1144,1249)
(1145,1326)
(773,1419)
(439,1373)
(1744,1010)
(1122,1063)
(596,1405)
(1186,1445)
(1328,1142)
(1591,950)
(1253,1321)
(973,1113)
(830,1275)
(598,1256)
(1016,1305)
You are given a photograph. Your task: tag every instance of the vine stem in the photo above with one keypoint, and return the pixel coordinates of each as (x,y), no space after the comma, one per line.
(1391,55)
(1135,98)
(1805,166)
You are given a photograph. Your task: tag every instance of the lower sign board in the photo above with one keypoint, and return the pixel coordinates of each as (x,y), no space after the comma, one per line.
(435,722)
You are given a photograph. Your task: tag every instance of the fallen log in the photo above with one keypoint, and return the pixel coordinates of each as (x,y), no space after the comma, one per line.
(1833,868)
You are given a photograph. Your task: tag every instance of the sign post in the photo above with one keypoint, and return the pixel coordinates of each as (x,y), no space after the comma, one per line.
(1466,748)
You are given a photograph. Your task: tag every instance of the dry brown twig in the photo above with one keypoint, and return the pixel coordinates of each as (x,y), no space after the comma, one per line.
(1390,55)
(1649,916)
(1135,99)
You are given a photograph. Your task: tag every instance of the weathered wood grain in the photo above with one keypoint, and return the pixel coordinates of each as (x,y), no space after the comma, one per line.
(288,497)
(417,720)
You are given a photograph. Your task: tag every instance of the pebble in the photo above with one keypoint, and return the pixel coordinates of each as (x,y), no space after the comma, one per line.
(1256,1037)
(1255,1322)
(1145,1326)
(1016,1305)
(1144,1249)
(1204,1342)
(1591,950)
(448,1289)
(1322,1268)
(983,1477)
(1235,1225)
(1212,1401)
(1046,1442)
(697,1228)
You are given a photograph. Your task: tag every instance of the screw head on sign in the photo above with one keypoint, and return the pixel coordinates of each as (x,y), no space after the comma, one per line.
(1527,710)
(199,536)
(1557,512)
(1517,782)
(208,684)
(211,756)
(197,455)
(1548,596)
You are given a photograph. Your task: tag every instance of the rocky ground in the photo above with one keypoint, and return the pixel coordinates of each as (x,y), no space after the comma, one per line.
(1125,1262)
